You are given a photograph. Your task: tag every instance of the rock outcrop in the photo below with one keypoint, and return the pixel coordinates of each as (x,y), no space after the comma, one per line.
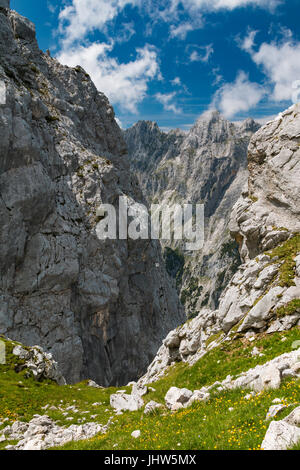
(42,432)
(100,307)
(206,165)
(284,434)
(40,364)
(264,294)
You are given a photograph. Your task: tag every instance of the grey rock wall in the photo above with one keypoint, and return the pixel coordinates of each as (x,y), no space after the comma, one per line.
(264,294)
(206,165)
(100,307)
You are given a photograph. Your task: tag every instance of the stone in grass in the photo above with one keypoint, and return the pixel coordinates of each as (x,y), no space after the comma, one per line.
(125,402)
(152,407)
(176,398)
(284,434)
(274,411)
(136,434)
(280,436)
(198,396)
(93,384)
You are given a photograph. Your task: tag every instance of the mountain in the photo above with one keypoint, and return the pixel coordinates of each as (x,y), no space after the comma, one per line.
(228,379)
(263,296)
(100,307)
(206,165)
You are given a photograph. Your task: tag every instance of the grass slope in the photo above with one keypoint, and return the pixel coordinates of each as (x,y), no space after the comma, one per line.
(208,425)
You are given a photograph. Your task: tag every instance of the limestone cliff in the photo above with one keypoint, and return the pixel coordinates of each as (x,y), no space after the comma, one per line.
(264,294)
(100,307)
(206,165)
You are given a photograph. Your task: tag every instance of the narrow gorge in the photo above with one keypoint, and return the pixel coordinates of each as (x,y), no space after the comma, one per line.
(115,343)
(100,307)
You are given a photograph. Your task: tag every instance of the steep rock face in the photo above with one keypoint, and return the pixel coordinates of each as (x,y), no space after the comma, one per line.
(100,307)
(205,165)
(264,294)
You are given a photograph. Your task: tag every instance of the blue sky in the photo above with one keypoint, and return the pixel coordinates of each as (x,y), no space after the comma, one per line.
(169,61)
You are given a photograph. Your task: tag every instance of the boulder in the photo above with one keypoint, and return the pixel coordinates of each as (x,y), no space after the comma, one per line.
(270,378)
(274,411)
(40,364)
(176,398)
(280,436)
(41,433)
(198,395)
(126,402)
(294,417)
(93,384)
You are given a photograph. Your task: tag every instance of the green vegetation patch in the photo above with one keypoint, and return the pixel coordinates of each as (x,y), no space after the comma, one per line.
(192,291)
(228,421)
(230,358)
(289,309)
(286,253)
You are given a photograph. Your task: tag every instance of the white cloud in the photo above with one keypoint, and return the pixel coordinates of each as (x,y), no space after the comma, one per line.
(124,84)
(241,95)
(198,57)
(126,33)
(166,101)
(248,43)
(171,11)
(83,16)
(176,81)
(281,64)
(212,5)
(51,7)
(218,77)
(181,30)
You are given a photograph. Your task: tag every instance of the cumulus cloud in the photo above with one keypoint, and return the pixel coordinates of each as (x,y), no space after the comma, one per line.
(124,83)
(84,16)
(167,101)
(241,95)
(127,83)
(281,64)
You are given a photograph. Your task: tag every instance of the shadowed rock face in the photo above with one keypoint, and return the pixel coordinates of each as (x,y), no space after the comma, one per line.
(4,3)
(101,307)
(206,165)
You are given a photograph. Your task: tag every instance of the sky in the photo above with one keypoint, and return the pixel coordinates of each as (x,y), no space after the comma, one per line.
(170,60)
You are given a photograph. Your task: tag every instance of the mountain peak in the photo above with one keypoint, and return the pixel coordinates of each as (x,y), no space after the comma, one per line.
(211,115)
(249,125)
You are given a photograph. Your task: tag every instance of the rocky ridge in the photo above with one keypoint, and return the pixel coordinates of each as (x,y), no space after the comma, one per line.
(41,433)
(206,165)
(264,294)
(100,307)
(35,362)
